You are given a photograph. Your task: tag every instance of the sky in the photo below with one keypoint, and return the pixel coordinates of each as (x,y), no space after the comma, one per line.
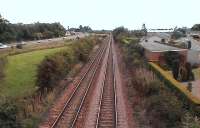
(104,14)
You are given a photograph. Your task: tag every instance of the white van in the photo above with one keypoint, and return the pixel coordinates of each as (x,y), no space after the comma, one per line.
(3,46)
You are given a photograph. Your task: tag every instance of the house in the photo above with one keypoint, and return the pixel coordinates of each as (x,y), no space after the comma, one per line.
(193,55)
(154,51)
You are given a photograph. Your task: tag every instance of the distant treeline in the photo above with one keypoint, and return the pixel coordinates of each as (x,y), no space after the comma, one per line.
(18,32)
(196,27)
(81,29)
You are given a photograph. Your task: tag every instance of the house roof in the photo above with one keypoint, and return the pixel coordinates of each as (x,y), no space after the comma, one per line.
(157,47)
(195,44)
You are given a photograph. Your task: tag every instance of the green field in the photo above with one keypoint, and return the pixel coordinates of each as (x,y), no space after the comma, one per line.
(20,72)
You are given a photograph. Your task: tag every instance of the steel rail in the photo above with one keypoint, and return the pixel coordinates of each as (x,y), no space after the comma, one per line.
(77,86)
(85,95)
(114,90)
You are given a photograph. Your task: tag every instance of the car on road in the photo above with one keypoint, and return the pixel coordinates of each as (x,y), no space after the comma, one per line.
(23,43)
(3,46)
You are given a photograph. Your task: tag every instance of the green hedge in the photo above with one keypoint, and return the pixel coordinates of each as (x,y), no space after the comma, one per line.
(190,102)
(56,66)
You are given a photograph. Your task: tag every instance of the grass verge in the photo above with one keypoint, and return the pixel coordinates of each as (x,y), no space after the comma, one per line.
(20,72)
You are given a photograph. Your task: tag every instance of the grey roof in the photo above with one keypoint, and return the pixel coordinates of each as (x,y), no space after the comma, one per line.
(157,47)
(195,43)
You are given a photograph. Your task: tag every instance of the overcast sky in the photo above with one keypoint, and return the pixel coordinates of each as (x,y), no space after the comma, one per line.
(104,14)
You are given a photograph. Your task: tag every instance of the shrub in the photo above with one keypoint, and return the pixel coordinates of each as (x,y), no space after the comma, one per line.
(133,54)
(8,115)
(190,75)
(3,61)
(145,82)
(183,74)
(119,32)
(165,107)
(19,46)
(189,87)
(55,67)
(50,70)
(171,57)
(82,49)
(189,121)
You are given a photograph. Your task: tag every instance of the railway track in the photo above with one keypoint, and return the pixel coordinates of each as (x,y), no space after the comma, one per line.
(104,114)
(107,114)
(72,107)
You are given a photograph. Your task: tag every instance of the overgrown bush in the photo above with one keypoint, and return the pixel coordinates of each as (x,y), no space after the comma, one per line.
(120,32)
(50,70)
(82,49)
(3,61)
(144,87)
(166,108)
(55,67)
(19,46)
(133,53)
(8,114)
(188,121)
(181,70)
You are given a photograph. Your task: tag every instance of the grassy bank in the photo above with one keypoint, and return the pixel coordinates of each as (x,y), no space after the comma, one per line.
(34,47)
(33,79)
(20,72)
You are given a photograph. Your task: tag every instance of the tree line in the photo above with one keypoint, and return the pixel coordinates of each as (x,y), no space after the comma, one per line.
(18,32)
(196,27)
(81,29)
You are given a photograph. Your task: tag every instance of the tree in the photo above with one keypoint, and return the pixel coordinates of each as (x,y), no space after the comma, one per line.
(190,75)
(119,32)
(80,27)
(17,32)
(189,44)
(170,57)
(196,27)
(175,69)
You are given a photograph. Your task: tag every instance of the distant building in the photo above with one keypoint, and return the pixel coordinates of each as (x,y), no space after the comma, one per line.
(67,33)
(154,51)
(193,55)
